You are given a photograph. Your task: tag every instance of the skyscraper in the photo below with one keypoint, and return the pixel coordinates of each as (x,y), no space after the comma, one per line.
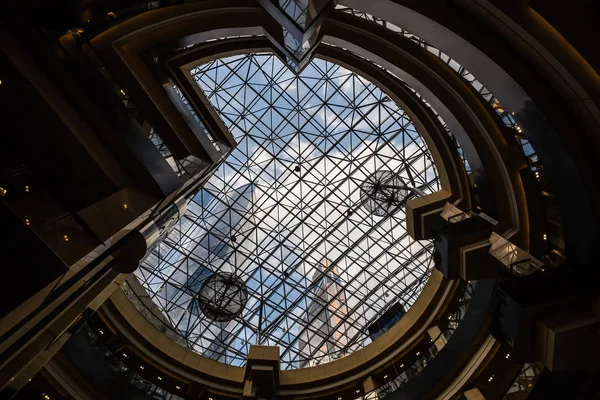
(226,216)
(327,335)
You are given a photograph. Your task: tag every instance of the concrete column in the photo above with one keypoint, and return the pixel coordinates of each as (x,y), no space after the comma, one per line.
(474,394)
(249,388)
(261,377)
(368,384)
(435,335)
(32,333)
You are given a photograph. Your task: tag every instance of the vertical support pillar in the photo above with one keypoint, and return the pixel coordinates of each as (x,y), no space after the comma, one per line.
(435,333)
(368,384)
(32,333)
(474,394)
(261,378)
(249,389)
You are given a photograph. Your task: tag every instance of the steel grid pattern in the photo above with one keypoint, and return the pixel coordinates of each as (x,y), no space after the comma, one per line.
(283,212)
(506,116)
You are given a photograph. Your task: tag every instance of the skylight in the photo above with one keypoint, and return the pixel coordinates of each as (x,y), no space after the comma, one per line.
(284,214)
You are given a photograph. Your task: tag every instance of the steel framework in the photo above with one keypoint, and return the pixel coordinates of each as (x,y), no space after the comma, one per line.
(277,210)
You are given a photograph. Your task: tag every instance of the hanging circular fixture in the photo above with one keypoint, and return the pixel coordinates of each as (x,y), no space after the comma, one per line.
(383,193)
(222,297)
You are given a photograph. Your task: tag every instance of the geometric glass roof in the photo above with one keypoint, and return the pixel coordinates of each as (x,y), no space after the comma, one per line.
(283,213)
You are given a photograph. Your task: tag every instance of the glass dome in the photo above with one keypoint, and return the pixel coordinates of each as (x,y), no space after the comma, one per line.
(284,214)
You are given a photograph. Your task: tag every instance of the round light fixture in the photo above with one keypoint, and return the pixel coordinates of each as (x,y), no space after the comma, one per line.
(383,193)
(222,297)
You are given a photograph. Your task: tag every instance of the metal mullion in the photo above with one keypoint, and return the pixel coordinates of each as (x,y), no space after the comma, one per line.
(359,332)
(374,290)
(278,201)
(291,188)
(353,101)
(337,187)
(342,219)
(342,320)
(358,241)
(335,262)
(219,64)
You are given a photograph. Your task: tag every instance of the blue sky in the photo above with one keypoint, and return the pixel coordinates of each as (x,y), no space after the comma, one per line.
(339,129)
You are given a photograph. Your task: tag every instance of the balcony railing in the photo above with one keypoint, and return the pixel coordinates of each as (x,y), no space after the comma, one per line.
(404,374)
(524,382)
(124,370)
(516,259)
(554,255)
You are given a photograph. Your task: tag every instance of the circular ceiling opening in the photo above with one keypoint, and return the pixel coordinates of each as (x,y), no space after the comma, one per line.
(324,275)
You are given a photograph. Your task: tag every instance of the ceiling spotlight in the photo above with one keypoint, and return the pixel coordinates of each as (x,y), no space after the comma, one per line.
(507,356)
